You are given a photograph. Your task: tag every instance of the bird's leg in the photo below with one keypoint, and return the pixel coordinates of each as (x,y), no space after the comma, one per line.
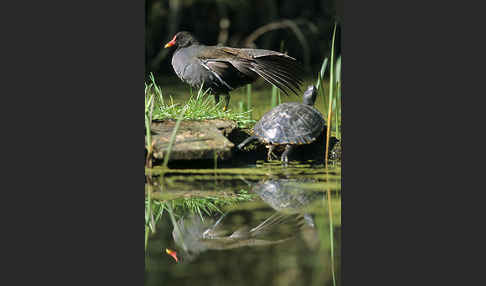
(285,154)
(226,101)
(216,99)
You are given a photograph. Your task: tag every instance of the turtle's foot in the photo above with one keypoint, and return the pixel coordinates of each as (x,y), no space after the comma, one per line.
(285,160)
(285,155)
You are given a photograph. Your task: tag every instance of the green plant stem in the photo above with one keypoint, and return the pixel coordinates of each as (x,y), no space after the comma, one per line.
(248,96)
(331,89)
(331,234)
(147,229)
(320,84)
(338,109)
(338,97)
(273,103)
(149,108)
(148,215)
(172,138)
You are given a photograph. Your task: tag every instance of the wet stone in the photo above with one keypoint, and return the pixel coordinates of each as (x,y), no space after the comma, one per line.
(195,140)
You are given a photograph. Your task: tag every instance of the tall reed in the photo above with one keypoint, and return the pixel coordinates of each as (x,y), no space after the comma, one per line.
(338,99)
(331,233)
(331,90)
(149,109)
(248,96)
(320,83)
(173,138)
(148,214)
(273,101)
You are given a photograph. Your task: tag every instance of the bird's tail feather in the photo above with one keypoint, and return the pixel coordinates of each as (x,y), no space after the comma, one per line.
(269,225)
(285,73)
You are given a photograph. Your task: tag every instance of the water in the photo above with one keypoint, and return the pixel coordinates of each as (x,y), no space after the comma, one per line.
(273,229)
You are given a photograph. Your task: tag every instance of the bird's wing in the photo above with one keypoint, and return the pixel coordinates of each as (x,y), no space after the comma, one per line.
(276,222)
(219,69)
(230,73)
(234,67)
(276,68)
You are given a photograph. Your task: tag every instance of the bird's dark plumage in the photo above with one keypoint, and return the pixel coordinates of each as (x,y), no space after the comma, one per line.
(222,69)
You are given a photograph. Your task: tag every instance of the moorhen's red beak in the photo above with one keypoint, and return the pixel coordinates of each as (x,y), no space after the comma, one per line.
(171,43)
(172,253)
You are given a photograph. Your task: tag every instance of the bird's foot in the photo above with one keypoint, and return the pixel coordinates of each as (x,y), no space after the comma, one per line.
(226,102)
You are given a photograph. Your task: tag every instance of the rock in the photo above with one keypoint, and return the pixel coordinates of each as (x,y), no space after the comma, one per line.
(195,140)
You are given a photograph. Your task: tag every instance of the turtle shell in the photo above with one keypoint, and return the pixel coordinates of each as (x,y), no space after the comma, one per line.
(288,195)
(290,123)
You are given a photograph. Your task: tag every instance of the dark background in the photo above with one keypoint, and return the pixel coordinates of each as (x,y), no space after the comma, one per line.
(303,27)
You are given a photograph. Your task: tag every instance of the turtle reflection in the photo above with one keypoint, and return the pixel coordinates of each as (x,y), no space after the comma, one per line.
(194,235)
(289,196)
(293,196)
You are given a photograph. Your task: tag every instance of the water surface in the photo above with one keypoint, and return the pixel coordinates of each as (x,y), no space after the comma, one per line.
(274,230)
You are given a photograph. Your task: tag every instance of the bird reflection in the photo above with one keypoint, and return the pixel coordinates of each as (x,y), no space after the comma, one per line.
(289,198)
(193,235)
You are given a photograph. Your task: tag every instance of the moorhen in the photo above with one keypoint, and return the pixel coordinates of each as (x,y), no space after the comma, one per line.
(222,69)
(194,235)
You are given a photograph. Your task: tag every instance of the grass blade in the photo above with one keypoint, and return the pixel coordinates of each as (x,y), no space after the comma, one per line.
(331,89)
(338,98)
(320,75)
(172,138)
(273,102)
(320,84)
(331,235)
(248,96)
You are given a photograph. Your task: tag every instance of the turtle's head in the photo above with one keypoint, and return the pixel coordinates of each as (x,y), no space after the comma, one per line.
(310,95)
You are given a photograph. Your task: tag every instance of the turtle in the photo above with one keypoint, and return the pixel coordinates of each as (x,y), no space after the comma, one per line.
(289,196)
(289,124)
